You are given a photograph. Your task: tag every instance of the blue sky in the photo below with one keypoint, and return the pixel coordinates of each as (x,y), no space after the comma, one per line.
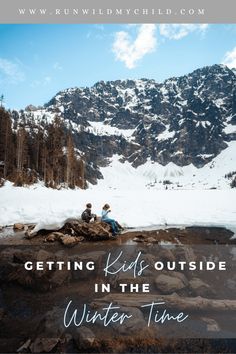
(37,61)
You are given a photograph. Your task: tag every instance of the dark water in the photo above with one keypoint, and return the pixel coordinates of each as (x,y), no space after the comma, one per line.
(27,305)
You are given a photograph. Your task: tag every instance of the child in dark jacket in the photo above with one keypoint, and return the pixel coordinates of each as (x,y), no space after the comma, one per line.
(87,215)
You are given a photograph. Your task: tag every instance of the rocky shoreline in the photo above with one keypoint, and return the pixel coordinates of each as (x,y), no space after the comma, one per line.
(76,232)
(32,303)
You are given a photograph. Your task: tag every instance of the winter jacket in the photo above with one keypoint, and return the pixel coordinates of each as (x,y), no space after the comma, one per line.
(86,215)
(105,214)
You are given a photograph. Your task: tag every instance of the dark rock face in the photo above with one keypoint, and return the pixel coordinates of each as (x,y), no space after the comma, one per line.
(181,120)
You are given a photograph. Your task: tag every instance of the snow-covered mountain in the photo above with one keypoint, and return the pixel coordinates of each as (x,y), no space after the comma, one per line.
(177,134)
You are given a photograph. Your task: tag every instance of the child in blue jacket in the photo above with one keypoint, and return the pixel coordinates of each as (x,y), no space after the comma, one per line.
(105,217)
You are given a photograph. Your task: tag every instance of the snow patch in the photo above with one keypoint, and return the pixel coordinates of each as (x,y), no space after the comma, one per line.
(99,128)
(229,129)
(166,134)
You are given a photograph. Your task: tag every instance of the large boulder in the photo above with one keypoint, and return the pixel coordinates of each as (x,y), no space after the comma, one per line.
(165,254)
(13,271)
(169,284)
(49,332)
(70,241)
(200,288)
(60,277)
(95,257)
(43,345)
(211,324)
(65,239)
(73,232)
(52,323)
(178,275)
(84,337)
(94,231)
(134,325)
(54,236)
(11,254)
(19,227)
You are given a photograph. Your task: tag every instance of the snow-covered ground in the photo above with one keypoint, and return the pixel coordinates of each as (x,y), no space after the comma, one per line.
(137,196)
(151,174)
(134,208)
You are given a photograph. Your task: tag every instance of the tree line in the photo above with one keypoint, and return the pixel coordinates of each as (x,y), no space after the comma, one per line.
(32,154)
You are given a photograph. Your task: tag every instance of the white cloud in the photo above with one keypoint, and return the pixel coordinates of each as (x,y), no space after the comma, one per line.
(129,50)
(97,32)
(10,72)
(57,66)
(47,80)
(178,31)
(230,58)
(44,82)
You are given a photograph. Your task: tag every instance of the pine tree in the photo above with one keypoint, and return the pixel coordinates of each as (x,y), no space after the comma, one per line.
(1,100)
(233,183)
(36,142)
(22,160)
(6,145)
(71,162)
(43,162)
(32,153)
(56,160)
(81,174)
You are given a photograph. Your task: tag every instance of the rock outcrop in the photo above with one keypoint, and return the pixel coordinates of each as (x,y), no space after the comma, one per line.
(74,232)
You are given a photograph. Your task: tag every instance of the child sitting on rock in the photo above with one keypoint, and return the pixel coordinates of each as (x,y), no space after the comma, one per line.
(87,215)
(114,224)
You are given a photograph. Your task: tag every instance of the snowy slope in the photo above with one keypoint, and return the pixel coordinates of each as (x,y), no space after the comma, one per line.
(120,175)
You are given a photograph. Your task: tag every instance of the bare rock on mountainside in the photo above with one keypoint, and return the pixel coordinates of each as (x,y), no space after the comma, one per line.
(31,108)
(183,120)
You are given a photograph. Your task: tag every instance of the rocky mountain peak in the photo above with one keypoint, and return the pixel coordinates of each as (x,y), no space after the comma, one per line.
(184,120)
